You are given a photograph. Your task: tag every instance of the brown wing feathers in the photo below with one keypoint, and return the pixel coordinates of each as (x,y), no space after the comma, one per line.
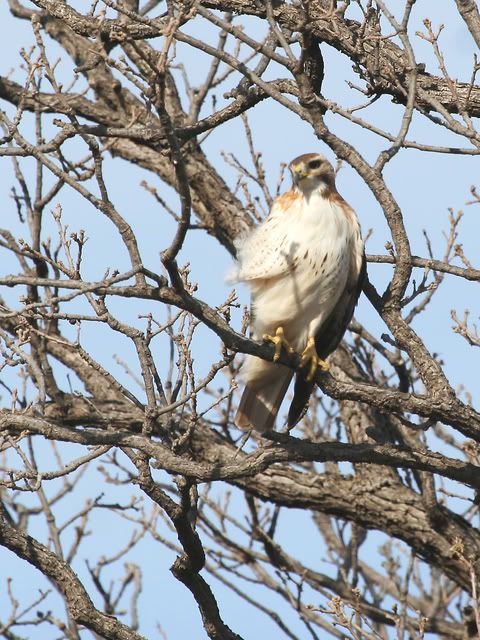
(326,341)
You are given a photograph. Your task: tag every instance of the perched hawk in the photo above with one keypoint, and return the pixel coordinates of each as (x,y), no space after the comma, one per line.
(305,266)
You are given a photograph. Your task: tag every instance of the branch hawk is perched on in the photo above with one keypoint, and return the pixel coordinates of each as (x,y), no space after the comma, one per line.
(305,266)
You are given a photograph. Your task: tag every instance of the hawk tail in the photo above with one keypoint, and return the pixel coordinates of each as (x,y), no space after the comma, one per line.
(262,398)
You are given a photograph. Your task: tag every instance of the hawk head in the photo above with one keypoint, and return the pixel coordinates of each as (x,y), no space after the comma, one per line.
(311,171)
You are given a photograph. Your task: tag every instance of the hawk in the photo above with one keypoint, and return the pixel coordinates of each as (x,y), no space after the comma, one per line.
(305,266)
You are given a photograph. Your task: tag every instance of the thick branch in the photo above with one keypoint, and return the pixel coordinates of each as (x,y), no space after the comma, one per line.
(383,63)
(469,11)
(292,450)
(378,502)
(60,573)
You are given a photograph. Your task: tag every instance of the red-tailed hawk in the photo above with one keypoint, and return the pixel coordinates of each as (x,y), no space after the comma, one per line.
(305,266)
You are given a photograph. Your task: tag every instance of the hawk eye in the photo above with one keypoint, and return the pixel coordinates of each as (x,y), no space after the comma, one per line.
(314,164)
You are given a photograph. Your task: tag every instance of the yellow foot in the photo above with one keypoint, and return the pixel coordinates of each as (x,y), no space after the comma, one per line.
(310,357)
(279,341)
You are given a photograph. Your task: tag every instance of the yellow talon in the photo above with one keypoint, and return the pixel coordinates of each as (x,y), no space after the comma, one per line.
(310,357)
(279,341)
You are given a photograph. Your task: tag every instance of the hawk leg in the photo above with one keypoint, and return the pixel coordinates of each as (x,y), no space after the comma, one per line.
(310,357)
(279,341)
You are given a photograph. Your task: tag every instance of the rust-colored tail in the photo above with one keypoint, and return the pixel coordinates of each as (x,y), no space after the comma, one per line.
(262,398)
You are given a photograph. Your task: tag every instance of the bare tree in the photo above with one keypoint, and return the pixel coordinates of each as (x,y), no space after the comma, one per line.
(146,445)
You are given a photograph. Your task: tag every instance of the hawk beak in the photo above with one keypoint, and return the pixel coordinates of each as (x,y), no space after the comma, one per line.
(299,173)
